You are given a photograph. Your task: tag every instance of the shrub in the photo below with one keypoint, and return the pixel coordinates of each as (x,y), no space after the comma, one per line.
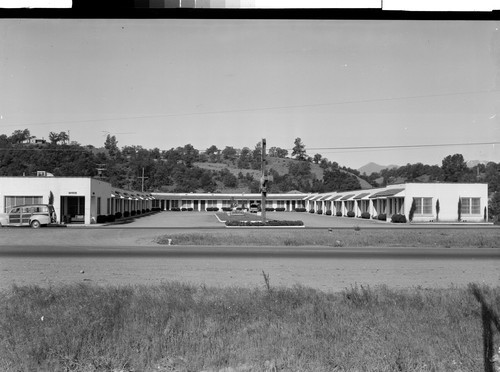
(149,210)
(300,209)
(111,218)
(412,210)
(319,211)
(126,214)
(328,213)
(138,212)
(365,215)
(269,209)
(132,213)
(212,209)
(268,223)
(280,209)
(398,218)
(101,219)
(156,209)
(350,214)
(118,215)
(190,209)
(338,214)
(382,217)
(311,210)
(143,211)
(175,209)
(226,209)
(184,209)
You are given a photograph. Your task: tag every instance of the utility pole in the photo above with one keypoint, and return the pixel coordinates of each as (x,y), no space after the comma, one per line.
(263,182)
(142,179)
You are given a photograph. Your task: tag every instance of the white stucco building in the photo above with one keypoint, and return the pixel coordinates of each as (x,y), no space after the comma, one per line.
(83,199)
(75,199)
(433,201)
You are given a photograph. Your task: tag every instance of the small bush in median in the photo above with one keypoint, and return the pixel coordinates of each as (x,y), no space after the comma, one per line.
(268,223)
(398,218)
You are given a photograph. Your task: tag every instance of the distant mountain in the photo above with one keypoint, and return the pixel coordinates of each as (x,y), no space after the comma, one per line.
(374,167)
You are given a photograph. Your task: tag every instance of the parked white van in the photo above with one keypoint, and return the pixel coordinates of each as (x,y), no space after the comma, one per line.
(34,215)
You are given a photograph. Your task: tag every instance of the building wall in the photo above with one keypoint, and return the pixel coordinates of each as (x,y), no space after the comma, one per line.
(34,186)
(448,195)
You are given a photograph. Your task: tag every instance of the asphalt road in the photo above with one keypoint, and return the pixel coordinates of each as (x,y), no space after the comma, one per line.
(301,252)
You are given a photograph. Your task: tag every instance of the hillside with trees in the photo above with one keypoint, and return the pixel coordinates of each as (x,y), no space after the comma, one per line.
(228,169)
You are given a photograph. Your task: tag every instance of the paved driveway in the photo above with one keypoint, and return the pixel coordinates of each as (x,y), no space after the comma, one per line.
(208,219)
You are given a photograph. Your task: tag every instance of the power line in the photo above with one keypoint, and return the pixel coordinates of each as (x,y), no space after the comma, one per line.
(355,148)
(270,108)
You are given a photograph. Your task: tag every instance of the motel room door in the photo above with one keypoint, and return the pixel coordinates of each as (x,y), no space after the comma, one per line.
(72,209)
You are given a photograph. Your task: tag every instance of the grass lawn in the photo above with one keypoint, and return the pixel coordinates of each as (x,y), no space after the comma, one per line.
(356,237)
(178,327)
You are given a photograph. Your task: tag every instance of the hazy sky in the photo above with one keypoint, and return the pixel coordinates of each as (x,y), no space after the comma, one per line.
(334,83)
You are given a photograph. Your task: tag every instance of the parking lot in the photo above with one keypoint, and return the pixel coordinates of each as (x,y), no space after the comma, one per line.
(209,220)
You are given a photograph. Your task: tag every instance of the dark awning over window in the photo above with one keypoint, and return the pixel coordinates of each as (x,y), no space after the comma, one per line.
(386,193)
(360,196)
(347,197)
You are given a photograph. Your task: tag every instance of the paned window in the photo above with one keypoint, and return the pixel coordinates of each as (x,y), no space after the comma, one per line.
(11,201)
(470,206)
(423,206)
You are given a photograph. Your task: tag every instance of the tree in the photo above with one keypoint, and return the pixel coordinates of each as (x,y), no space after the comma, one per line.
(189,155)
(277,152)
(257,156)
(229,153)
(454,168)
(19,136)
(299,150)
(111,144)
(213,153)
(324,163)
(245,158)
(54,138)
(494,206)
(317,158)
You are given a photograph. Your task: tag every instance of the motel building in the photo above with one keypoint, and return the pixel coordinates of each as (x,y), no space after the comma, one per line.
(76,199)
(83,199)
(433,202)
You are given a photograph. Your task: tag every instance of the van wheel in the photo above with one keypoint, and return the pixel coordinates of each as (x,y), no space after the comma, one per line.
(35,224)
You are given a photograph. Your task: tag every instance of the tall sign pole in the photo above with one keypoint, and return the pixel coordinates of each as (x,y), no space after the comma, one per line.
(263,182)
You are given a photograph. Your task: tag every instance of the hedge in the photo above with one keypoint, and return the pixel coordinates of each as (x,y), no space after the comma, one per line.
(339,214)
(138,212)
(126,214)
(365,215)
(184,209)
(300,209)
(328,213)
(350,214)
(156,209)
(398,218)
(110,218)
(118,215)
(132,213)
(269,209)
(212,209)
(190,209)
(268,223)
(319,211)
(101,218)
(175,209)
(227,209)
(311,210)
(280,209)
(382,217)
